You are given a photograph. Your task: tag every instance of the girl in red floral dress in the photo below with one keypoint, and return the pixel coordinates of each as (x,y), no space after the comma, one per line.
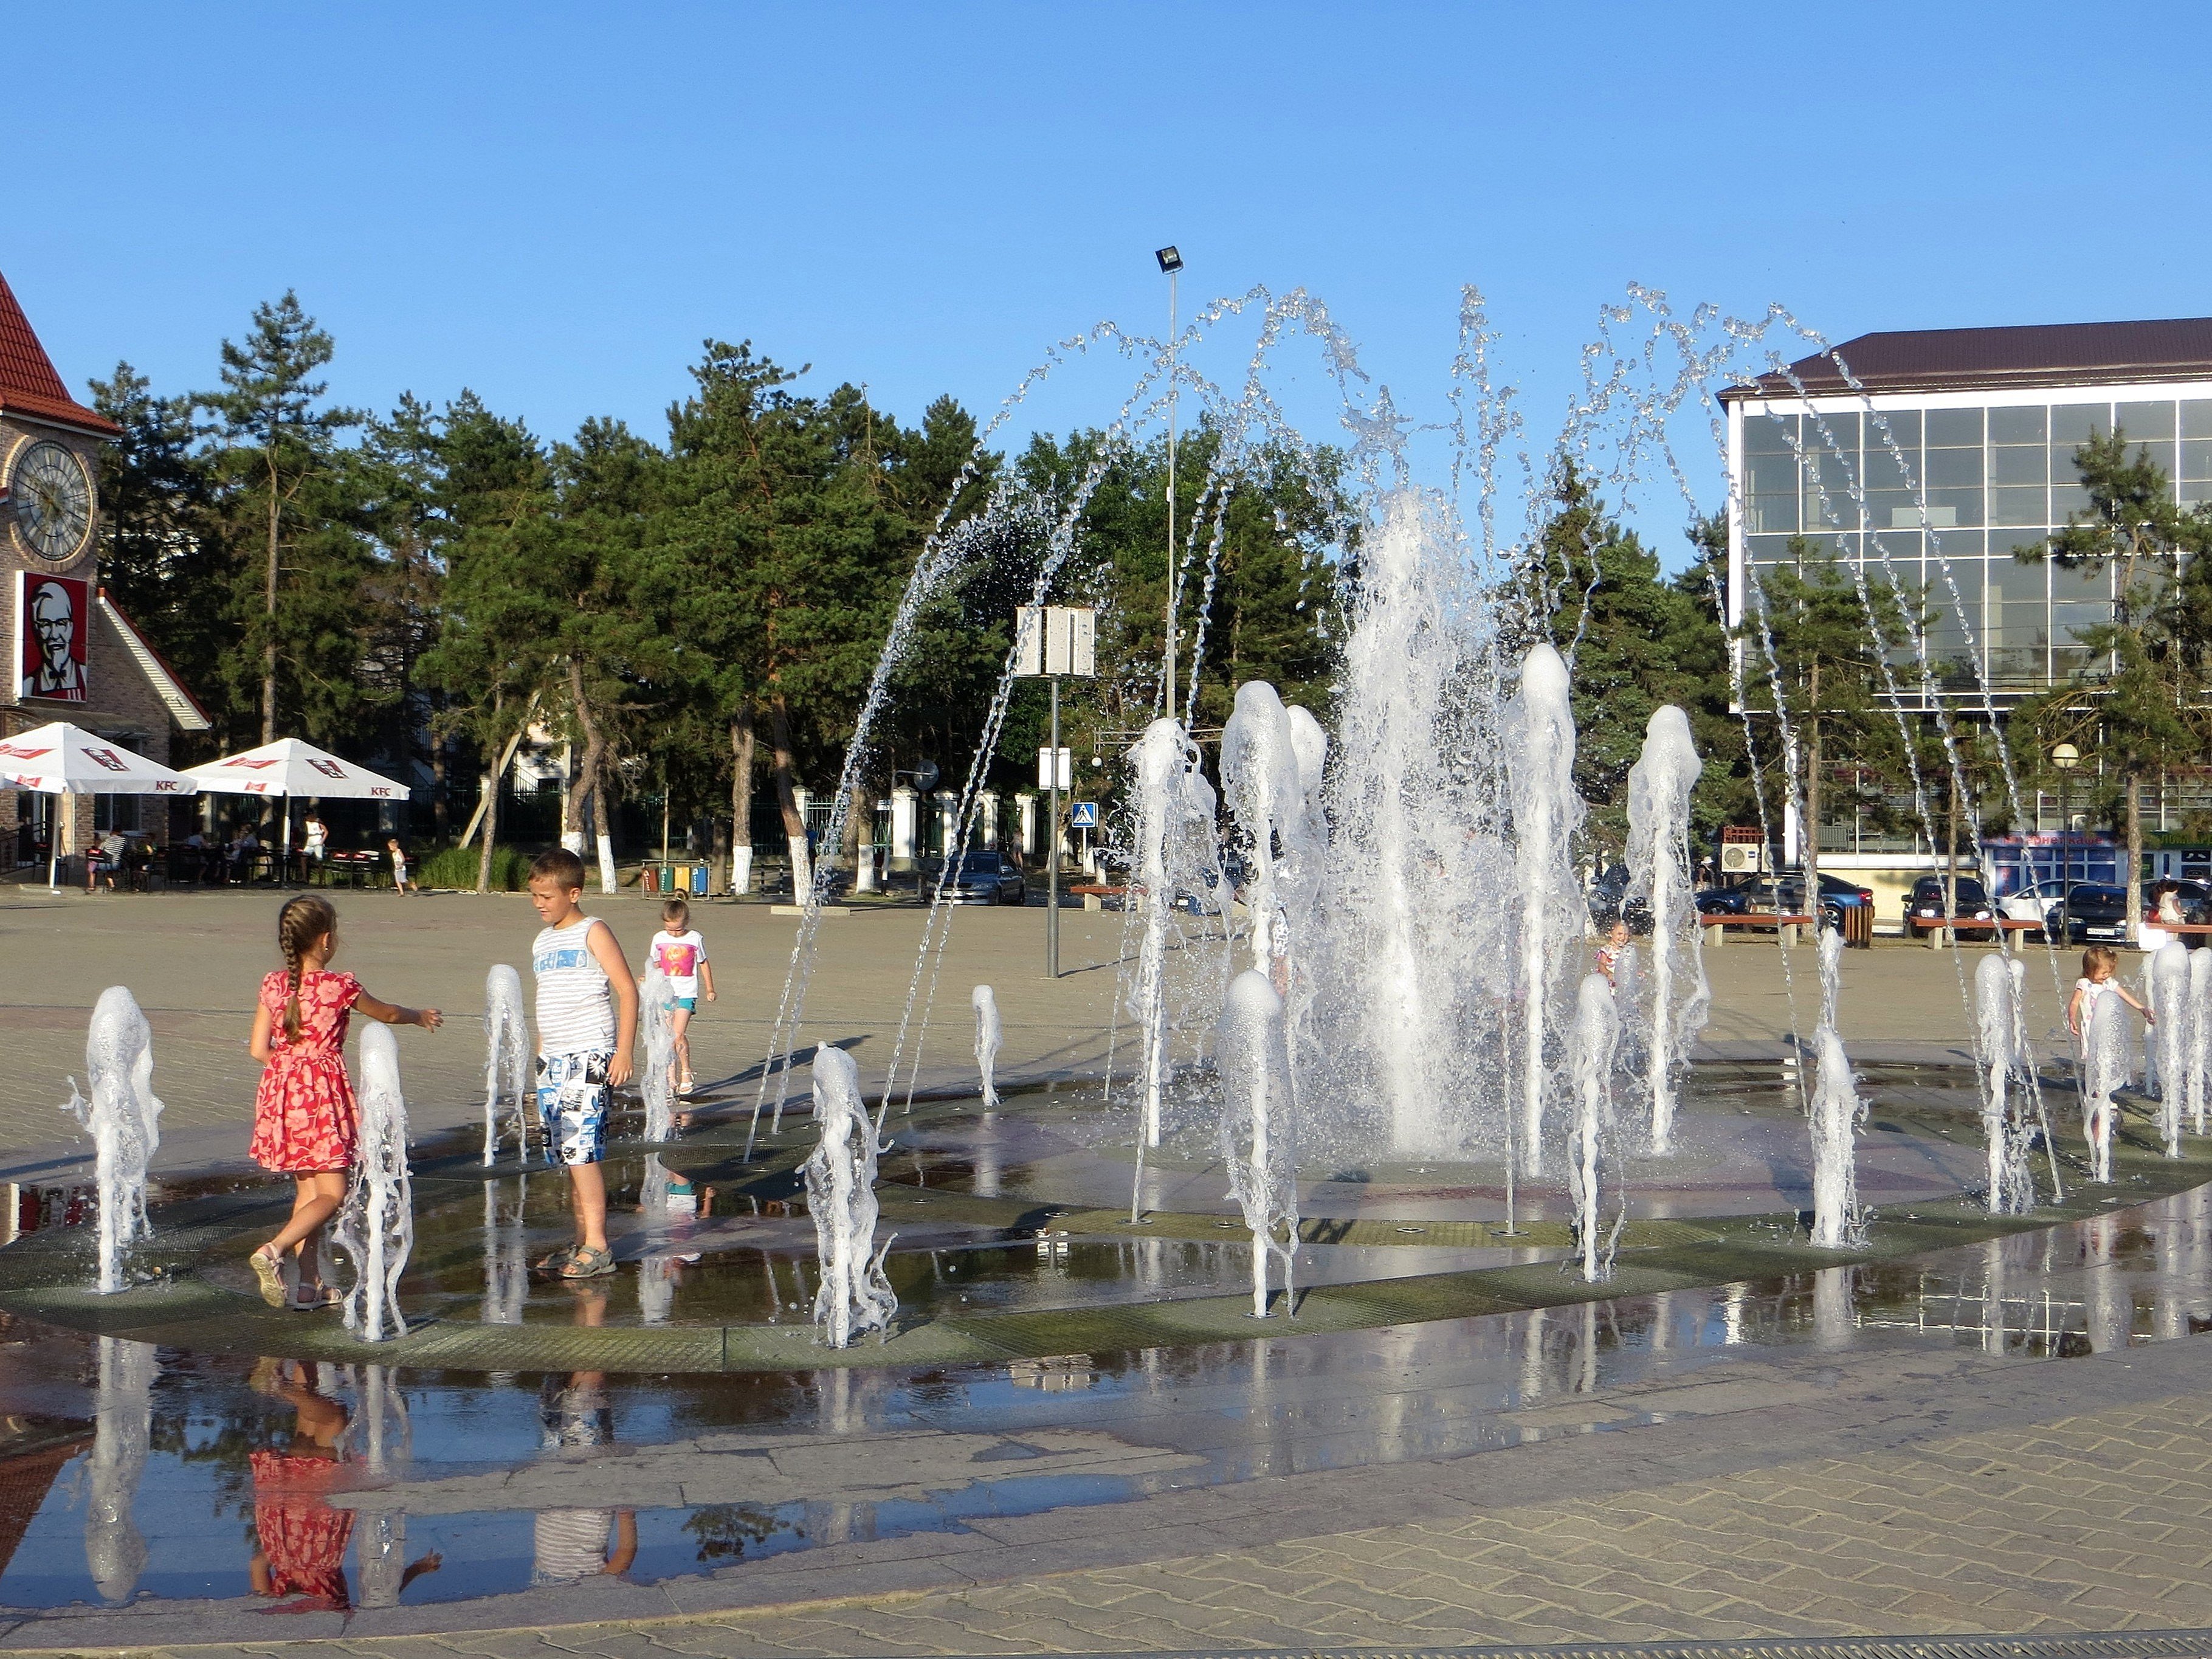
(305,1123)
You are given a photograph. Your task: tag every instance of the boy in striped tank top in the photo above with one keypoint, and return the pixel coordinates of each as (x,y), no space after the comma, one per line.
(587,1021)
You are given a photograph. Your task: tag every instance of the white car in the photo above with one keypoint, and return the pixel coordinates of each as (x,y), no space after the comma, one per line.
(2034,903)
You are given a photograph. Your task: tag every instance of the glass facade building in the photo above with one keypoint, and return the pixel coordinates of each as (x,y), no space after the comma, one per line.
(1953,453)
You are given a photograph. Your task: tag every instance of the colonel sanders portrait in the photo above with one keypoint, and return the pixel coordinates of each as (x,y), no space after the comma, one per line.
(51,667)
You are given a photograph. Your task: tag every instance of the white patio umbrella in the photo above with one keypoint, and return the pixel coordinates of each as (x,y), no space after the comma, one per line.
(62,759)
(288,767)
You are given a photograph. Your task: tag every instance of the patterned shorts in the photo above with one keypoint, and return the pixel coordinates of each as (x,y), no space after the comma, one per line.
(572,1098)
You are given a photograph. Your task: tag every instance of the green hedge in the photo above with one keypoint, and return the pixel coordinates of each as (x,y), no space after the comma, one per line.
(457,867)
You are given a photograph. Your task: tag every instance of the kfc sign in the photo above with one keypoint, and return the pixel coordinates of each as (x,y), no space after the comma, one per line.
(329,769)
(53,625)
(107,759)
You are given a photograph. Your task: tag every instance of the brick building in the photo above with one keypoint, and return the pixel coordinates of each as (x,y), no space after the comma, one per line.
(73,656)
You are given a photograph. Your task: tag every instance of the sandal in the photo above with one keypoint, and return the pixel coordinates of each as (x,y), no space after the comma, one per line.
(588,1262)
(275,1274)
(320,1299)
(558,1259)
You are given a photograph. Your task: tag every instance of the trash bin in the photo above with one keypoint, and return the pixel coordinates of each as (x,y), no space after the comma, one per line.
(698,881)
(1858,927)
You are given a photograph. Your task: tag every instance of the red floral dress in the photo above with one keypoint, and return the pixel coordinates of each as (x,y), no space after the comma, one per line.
(303,1115)
(302,1538)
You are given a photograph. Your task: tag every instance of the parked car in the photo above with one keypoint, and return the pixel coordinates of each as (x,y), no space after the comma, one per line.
(987,877)
(1784,898)
(2037,901)
(1923,907)
(2096,912)
(1609,898)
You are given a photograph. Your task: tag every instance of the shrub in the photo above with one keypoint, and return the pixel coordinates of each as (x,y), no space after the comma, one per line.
(456,867)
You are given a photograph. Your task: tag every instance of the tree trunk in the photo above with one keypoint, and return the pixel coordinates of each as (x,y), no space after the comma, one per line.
(2131,785)
(584,776)
(1951,855)
(786,798)
(741,775)
(602,825)
(861,837)
(490,830)
(440,811)
(268,611)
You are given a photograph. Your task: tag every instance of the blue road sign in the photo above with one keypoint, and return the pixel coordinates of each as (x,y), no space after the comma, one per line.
(1084,815)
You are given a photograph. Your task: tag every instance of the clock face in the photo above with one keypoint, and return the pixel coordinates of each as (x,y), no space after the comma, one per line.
(52,500)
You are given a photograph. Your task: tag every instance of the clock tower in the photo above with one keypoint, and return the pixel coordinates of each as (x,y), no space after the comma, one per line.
(71,654)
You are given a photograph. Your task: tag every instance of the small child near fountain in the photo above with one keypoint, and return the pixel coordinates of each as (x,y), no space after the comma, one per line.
(586,1028)
(2100,963)
(1608,952)
(680,953)
(305,1121)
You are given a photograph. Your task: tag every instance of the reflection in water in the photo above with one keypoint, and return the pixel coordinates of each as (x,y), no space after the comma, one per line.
(114,1551)
(437,1462)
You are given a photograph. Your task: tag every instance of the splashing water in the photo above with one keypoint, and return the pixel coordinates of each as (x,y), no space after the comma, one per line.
(2005,1065)
(987,1039)
(124,1118)
(506,1063)
(1175,811)
(855,1295)
(376,1223)
(1270,790)
(2169,979)
(1659,789)
(2106,1071)
(1259,1128)
(1540,760)
(656,1082)
(123,1427)
(1836,1113)
(1591,1042)
(2200,1035)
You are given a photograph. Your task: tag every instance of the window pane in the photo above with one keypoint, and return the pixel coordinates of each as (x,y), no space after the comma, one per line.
(2161,452)
(1831,430)
(1771,515)
(2196,417)
(1768,435)
(1950,508)
(2069,501)
(2012,547)
(2077,424)
(1770,475)
(1900,547)
(1903,430)
(2019,466)
(2091,580)
(2142,421)
(2017,504)
(1768,550)
(1956,427)
(1963,546)
(2020,425)
(1882,470)
(1947,469)
(2195,491)
(2196,458)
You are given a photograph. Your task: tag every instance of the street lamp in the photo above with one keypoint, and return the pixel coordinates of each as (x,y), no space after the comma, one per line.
(1170,264)
(2065,756)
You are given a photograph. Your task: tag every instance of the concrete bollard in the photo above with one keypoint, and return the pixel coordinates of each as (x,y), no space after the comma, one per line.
(1716,936)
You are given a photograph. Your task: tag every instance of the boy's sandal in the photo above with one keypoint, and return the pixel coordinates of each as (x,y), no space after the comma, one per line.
(277,1285)
(589,1262)
(558,1259)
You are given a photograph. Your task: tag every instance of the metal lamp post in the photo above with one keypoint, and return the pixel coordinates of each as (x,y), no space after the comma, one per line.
(1171,265)
(2065,756)
(1051,640)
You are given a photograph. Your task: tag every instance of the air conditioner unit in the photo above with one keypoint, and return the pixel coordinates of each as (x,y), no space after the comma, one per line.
(1738,858)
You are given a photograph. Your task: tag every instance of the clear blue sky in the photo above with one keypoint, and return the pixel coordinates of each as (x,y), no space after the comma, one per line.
(555,203)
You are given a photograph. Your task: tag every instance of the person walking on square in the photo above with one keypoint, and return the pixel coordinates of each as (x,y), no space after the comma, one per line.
(305,1123)
(401,881)
(680,953)
(319,837)
(586,1028)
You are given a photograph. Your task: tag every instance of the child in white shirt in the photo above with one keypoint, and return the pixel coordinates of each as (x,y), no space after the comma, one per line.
(681,954)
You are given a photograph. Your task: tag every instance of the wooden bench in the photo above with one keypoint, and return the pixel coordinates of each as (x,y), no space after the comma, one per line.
(1094,895)
(1716,924)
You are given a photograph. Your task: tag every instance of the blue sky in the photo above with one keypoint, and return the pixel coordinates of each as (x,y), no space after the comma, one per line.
(555,203)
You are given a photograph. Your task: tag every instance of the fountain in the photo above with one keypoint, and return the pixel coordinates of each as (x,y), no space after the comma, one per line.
(506,1063)
(855,1295)
(1271,788)
(2169,977)
(2104,1071)
(656,1079)
(1259,1128)
(2200,1034)
(1591,1042)
(1836,1113)
(1176,855)
(2006,1067)
(1659,789)
(987,1039)
(1540,763)
(124,1118)
(375,1225)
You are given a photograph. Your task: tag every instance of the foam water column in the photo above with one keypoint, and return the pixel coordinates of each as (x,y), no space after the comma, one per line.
(1674,996)
(1158,762)
(2169,976)
(1258,1126)
(376,1223)
(988,1036)
(1540,764)
(506,1063)
(1997,1019)
(1836,1110)
(656,1082)
(123,1425)
(2104,1045)
(855,1294)
(124,1118)
(1590,1044)
(2200,1034)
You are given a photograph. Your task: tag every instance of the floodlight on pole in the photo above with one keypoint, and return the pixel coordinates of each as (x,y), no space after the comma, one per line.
(2065,756)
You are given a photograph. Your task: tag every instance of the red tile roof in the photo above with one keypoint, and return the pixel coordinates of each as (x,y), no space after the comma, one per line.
(28,385)
(1974,359)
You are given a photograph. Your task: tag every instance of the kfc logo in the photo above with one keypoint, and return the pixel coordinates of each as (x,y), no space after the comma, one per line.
(108,758)
(329,769)
(246,764)
(53,617)
(165,787)
(379,791)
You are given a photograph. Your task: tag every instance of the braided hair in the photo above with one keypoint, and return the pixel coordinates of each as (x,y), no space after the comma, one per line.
(302,921)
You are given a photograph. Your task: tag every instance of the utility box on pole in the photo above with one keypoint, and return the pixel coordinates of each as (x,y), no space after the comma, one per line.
(1052,641)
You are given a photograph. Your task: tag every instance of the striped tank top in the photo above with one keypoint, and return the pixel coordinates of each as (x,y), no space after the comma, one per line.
(576,1005)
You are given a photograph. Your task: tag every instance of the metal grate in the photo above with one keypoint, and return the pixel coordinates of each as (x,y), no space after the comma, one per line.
(2148,1645)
